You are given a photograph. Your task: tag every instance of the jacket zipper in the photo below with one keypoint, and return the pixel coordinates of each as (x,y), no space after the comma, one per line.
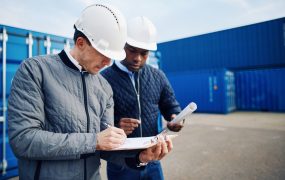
(137,91)
(87,115)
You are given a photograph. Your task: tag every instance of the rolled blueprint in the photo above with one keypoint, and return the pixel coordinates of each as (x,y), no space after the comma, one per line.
(190,108)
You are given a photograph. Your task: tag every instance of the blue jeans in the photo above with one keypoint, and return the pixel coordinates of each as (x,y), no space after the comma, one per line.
(153,171)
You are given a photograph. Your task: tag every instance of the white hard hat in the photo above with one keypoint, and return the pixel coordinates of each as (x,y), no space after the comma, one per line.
(106,29)
(142,33)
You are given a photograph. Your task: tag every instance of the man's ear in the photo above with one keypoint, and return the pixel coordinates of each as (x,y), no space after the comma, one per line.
(81,42)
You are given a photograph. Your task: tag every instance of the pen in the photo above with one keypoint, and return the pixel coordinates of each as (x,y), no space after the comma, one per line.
(107,125)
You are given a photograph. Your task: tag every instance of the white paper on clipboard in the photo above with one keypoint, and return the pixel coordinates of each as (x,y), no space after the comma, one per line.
(140,143)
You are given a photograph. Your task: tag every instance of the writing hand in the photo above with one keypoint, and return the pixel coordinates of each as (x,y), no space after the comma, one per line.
(110,138)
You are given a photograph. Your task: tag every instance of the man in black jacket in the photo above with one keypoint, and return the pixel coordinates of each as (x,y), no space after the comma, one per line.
(140,93)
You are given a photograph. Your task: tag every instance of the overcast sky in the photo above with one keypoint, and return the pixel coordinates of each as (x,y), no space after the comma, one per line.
(174,19)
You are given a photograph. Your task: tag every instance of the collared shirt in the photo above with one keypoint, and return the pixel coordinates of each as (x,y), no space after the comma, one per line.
(125,69)
(74,61)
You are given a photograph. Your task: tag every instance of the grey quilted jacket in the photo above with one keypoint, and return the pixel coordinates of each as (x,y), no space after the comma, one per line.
(54,113)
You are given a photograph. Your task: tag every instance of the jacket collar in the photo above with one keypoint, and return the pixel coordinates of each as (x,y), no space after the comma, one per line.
(67,61)
(123,67)
(115,67)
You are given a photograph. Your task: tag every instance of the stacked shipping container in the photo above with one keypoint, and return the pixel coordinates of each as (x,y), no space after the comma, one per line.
(260,45)
(212,90)
(15,46)
(254,46)
(261,89)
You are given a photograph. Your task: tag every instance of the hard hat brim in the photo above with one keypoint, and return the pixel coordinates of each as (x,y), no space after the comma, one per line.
(142,45)
(117,55)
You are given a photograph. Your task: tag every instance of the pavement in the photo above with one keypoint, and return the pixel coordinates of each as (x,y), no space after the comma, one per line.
(240,145)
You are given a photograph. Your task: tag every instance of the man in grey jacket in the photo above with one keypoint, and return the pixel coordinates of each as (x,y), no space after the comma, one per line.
(59,107)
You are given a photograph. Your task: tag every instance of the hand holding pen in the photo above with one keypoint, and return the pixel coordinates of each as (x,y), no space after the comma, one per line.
(110,138)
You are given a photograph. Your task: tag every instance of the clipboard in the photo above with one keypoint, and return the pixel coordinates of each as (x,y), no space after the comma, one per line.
(146,142)
(140,143)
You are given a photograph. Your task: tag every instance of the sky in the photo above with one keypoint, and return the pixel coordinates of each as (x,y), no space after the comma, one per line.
(174,19)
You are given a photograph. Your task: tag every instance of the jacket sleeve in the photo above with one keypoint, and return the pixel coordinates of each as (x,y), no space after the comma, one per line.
(26,121)
(123,158)
(108,115)
(168,104)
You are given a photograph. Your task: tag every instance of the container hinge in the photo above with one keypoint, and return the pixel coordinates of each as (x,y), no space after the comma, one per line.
(67,45)
(47,45)
(30,42)
(4,36)
(1,118)
(3,166)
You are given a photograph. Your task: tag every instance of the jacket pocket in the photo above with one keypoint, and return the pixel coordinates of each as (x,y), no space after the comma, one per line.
(61,170)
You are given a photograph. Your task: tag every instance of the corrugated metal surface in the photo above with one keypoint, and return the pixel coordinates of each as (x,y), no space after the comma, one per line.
(18,50)
(260,89)
(12,169)
(212,90)
(20,45)
(257,45)
(10,72)
(17,44)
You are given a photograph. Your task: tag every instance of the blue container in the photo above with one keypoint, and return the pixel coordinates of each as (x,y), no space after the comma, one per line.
(212,90)
(18,49)
(20,45)
(12,161)
(260,90)
(11,69)
(257,45)
(154,59)
(42,43)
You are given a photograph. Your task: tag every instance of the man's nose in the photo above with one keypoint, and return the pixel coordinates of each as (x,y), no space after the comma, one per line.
(138,57)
